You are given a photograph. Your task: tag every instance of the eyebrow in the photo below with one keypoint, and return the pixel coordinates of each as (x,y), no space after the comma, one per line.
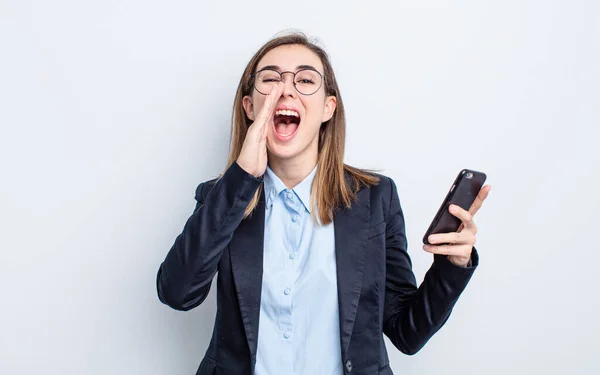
(299,67)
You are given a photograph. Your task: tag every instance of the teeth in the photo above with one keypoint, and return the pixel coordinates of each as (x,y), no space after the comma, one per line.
(286,112)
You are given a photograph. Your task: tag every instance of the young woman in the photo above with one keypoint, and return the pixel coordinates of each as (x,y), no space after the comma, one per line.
(310,253)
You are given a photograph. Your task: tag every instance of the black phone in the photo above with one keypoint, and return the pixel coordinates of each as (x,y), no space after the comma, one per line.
(463,192)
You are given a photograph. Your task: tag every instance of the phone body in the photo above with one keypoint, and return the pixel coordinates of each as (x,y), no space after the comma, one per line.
(463,192)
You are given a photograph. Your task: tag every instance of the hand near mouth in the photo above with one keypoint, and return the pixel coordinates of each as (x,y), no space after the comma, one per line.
(253,157)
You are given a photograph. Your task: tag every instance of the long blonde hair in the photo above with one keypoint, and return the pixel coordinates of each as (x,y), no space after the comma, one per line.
(330,189)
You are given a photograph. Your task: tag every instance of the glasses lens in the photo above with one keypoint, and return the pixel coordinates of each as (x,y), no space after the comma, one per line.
(265,80)
(307,81)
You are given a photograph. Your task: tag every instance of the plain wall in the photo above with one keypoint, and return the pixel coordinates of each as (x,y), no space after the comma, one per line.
(112,112)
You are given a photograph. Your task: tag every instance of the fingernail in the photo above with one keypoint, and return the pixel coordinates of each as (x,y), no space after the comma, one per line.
(432,238)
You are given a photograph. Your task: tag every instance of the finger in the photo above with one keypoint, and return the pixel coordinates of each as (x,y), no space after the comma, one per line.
(265,118)
(464,216)
(451,238)
(266,123)
(483,194)
(265,129)
(462,251)
(269,121)
(266,112)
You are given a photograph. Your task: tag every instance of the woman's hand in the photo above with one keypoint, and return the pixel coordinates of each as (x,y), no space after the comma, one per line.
(253,157)
(458,246)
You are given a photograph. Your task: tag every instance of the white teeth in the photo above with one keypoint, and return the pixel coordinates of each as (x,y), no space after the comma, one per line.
(285,112)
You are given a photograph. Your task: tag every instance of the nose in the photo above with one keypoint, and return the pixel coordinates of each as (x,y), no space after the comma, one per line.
(289,90)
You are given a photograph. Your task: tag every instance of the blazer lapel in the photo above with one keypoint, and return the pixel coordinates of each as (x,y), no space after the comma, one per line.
(246,252)
(351,231)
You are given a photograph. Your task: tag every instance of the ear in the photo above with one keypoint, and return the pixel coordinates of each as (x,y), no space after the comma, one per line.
(248,107)
(330,104)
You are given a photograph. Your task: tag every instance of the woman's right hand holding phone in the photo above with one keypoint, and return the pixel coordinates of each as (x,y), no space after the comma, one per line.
(253,156)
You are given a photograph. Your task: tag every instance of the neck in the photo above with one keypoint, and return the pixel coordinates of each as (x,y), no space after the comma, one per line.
(292,171)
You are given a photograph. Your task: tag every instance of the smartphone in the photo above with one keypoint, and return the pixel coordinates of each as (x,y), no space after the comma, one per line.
(463,192)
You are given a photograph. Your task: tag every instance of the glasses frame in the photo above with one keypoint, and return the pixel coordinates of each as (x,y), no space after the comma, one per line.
(253,77)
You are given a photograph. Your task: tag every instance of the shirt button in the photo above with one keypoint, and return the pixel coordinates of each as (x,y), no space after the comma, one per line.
(288,194)
(348,366)
(287,291)
(294,218)
(287,334)
(292,255)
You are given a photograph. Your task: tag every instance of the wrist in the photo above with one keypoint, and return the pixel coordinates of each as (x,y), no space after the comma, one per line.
(460,261)
(246,169)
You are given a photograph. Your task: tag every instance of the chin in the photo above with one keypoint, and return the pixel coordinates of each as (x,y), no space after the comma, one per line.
(284,151)
(293,149)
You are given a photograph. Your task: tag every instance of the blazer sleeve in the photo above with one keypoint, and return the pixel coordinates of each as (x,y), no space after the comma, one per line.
(413,315)
(185,276)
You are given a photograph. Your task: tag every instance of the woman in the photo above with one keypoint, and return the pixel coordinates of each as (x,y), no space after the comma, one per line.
(310,253)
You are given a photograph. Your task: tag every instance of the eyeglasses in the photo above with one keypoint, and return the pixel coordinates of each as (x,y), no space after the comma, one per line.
(306,81)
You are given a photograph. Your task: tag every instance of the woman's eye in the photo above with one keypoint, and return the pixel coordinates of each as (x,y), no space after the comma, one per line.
(306,81)
(270,80)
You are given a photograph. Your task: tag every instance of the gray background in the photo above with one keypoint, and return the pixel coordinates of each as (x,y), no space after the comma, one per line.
(113,111)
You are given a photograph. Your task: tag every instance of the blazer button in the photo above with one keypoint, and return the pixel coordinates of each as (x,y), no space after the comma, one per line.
(348,366)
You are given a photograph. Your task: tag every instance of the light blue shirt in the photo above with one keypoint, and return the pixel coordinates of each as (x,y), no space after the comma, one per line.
(298,331)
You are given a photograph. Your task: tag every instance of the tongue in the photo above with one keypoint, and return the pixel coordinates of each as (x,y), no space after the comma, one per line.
(285,129)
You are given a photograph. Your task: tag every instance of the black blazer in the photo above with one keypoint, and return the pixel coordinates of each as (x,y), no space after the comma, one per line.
(377,290)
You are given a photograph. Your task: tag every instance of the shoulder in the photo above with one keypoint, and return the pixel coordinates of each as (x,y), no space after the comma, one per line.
(384,194)
(384,187)
(381,189)
(384,201)
(379,185)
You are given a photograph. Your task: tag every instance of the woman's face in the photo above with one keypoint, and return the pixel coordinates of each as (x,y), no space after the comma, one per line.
(295,134)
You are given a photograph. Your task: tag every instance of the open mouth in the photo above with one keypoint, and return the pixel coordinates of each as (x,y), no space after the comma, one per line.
(286,122)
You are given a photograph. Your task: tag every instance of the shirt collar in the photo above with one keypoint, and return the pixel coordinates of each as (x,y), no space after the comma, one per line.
(274,186)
